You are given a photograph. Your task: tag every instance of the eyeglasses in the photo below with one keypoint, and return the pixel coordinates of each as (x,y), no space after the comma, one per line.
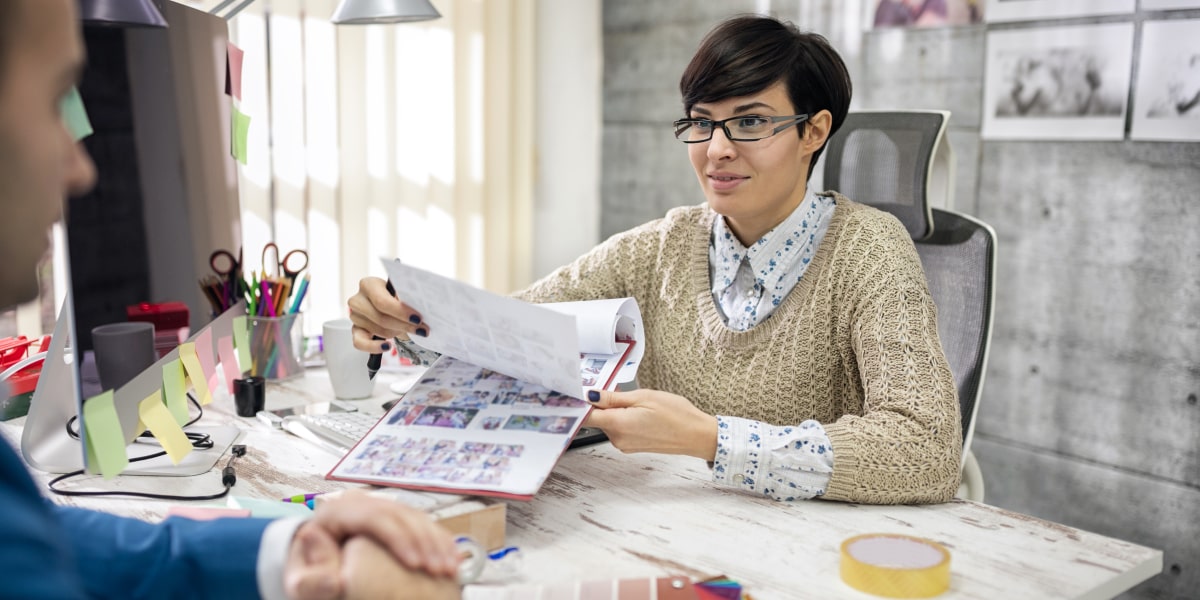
(748,128)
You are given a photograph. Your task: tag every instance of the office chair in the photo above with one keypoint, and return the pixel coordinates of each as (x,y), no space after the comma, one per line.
(896,161)
(959,259)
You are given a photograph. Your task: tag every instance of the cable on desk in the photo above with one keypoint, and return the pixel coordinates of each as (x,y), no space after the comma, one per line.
(200,441)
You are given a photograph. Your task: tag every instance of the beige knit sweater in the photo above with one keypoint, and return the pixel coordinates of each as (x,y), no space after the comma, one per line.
(853,346)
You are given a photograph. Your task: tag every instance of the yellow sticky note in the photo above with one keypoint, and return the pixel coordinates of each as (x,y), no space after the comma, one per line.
(239,132)
(205,351)
(104,435)
(75,115)
(175,391)
(169,434)
(241,341)
(191,363)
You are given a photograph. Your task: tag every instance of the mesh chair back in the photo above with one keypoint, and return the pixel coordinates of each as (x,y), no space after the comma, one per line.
(885,159)
(959,261)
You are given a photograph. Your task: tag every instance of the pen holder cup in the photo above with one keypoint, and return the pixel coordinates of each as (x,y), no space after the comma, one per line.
(275,347)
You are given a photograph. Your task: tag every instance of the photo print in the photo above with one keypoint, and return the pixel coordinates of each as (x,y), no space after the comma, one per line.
(998,11)
(1166,102)
(1058,83)
(925,13)
(1169,4)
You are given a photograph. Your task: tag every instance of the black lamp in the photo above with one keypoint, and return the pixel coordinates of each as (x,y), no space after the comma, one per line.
(121,13)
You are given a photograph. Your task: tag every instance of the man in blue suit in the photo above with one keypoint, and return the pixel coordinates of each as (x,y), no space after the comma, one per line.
(49,551)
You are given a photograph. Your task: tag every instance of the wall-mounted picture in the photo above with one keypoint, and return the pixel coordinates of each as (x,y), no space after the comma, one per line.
(925,13)
(1033,10)
(1058,83)
(1169,4)
(1166,103)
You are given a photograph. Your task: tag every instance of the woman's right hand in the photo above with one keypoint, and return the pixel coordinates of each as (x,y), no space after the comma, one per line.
(376,313)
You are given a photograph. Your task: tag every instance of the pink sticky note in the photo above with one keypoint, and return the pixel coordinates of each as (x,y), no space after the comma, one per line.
(204,352)
(229,361)
(233,75)
(206,513)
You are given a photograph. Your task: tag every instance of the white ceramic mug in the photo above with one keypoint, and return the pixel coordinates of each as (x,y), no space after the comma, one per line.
(346,364)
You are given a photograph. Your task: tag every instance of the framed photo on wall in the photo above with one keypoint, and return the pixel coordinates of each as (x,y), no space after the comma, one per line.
(923,13)
(1058,83)
(1032,10)
(1169,4)
(1166,102)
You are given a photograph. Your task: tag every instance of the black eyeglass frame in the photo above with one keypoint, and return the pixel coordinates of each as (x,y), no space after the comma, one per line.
(794,120)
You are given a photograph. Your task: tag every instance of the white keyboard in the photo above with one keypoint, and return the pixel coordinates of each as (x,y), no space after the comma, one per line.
(340,431)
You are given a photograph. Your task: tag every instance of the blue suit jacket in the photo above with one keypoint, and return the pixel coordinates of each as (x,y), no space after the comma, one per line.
(50,551)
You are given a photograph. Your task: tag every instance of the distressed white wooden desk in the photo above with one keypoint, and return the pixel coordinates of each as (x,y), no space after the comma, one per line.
(605,515)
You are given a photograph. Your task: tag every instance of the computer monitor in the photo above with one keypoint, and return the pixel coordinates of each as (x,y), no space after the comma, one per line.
(165,199)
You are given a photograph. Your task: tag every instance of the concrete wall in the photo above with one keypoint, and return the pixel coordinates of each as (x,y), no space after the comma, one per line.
(1090,414)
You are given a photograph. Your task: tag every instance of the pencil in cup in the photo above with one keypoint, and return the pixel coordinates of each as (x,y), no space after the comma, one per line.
(275,346)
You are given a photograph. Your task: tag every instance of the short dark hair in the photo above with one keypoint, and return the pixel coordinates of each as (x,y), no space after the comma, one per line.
(747,54)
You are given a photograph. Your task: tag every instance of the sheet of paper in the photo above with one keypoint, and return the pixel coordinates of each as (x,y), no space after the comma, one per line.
(240,132)
(162,424)
(191,363)
(241,341)
(526,341)
(233,73)
(229,361)
(75,115)
(105,439)
(175,391)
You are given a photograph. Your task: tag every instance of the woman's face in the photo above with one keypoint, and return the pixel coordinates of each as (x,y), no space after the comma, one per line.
(754,185)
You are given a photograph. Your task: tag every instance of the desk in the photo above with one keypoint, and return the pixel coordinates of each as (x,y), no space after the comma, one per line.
(602,514)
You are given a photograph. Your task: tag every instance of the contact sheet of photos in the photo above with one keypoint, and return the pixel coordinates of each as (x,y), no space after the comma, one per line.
(467,428)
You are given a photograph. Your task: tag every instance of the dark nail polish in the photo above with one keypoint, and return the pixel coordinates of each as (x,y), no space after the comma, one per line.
(593,396)
(385,346)
(414,319)
(421,332)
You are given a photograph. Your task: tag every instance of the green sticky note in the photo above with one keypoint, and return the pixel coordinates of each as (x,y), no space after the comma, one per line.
(75,115)
(175,391)
(239,131)
(104,436)
(241,341)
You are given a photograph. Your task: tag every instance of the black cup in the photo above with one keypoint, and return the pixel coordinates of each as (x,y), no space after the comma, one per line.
(123,350)
(250,395)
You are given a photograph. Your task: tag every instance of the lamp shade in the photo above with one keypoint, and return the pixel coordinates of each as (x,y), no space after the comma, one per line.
(366,12)
(121,13)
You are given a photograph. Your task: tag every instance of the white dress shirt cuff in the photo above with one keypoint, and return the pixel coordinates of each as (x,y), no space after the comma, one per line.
(272,555)
(786,463)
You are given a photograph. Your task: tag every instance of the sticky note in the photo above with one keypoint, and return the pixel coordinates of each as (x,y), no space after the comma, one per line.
(169,434)
(241,341)
(191,364)
(239,132)
(75,115)
(234,57)
(206,513)
(270,509)
(229,361)
(204,352)
(105,439)
(175,391)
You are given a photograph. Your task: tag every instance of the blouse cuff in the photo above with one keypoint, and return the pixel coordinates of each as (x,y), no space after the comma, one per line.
(739,450)
(783,462)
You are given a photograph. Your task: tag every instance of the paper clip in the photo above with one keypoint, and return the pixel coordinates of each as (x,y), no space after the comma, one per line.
(501,564)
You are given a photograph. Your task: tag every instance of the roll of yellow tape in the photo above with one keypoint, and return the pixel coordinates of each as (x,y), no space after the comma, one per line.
(895,566)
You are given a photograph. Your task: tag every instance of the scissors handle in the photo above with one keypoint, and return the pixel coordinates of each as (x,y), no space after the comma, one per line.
(289,267)
(223,262)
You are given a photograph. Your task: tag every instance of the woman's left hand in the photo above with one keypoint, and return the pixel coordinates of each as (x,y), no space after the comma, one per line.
(654,421)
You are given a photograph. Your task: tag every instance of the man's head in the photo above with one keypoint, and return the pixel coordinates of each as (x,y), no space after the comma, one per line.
(41,56)
(746,55)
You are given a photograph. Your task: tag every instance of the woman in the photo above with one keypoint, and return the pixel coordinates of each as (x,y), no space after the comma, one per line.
(791,337)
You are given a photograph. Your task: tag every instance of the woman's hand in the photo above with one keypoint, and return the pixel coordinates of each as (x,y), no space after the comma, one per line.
(654,421)
(376,313)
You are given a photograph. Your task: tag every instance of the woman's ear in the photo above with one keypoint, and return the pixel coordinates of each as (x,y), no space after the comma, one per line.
(816,131)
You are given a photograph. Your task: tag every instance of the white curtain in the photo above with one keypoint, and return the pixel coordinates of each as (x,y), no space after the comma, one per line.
(412,140)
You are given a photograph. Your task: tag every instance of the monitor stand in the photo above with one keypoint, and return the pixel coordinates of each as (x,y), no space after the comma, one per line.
(48,447)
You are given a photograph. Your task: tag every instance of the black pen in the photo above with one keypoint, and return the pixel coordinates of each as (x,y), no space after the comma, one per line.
(374,361)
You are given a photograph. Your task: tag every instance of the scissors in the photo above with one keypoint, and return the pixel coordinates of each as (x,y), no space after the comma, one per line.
(229,268)
(286,266)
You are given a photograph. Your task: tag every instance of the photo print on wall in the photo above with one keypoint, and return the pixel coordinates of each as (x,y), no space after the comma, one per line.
(1035,10)
(1166,102)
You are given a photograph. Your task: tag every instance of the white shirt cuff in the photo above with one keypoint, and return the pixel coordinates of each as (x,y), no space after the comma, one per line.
(786,463)
(272,555)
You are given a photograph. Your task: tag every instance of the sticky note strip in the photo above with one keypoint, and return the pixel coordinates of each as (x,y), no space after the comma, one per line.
(241,341)
(229,361)
(169,434)
(234,57)
(106,442)
(206,513)
(239,132)
(191,364)
(204,352)
(270,509)
(175,391)
(75,115)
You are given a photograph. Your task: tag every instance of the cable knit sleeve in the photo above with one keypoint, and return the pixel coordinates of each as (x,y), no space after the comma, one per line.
(905,446)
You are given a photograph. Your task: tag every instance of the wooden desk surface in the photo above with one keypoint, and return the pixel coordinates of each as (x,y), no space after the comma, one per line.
(606,515)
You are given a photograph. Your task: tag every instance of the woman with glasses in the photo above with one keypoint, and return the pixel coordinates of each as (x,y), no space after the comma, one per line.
(790,336)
